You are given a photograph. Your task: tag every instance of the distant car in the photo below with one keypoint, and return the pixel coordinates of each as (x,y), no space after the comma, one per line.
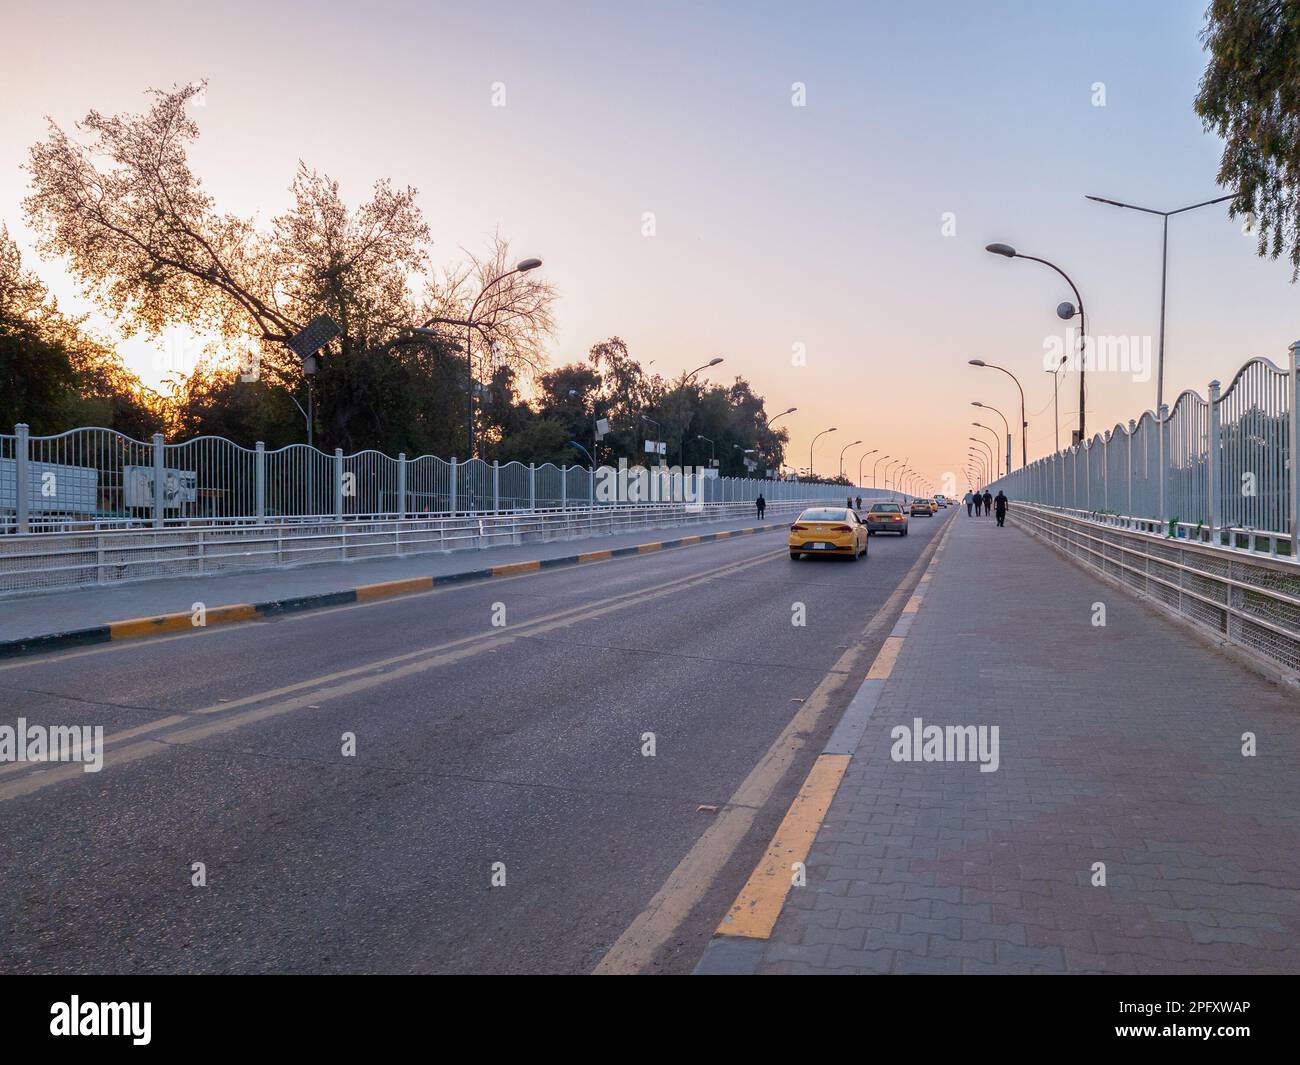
(887,517)
(928,507)
(941,500)
(828,531)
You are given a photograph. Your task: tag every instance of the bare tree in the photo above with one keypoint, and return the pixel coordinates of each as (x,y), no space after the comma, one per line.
(144,238)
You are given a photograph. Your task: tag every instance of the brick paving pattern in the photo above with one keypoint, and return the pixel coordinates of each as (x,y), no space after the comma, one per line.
(1119,744)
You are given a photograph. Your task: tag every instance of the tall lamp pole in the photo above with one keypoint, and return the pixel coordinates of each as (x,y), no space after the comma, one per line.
(521,267)
(874,465)
(845,448)
(681,429)
(985,406)
(1164,273)
(861,461)
(993,432)
(814,445)
(1065,311)
(1024,423)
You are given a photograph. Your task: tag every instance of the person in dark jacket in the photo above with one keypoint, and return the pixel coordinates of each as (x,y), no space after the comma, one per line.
(761,504)
(859,503)
(1000,506)
(979,503)
(988,502)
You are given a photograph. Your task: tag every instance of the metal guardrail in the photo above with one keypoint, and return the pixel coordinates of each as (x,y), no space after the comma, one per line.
(1224,466)
(94,478)
(56,561)
(1246,599)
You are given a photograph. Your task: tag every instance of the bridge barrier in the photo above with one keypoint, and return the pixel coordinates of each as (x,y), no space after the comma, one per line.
(1244,598)
(61,560)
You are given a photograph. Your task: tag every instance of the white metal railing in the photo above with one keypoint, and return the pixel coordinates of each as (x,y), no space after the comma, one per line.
(53,561)
(1246,599)
(1219,469)
(94,478)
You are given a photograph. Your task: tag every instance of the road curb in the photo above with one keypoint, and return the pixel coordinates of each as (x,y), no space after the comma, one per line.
(135,628)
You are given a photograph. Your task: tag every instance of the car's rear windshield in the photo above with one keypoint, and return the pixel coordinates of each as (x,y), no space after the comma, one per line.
(885,507)
(823,515)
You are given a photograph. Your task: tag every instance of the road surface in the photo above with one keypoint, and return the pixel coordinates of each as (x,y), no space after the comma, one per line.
(483,753)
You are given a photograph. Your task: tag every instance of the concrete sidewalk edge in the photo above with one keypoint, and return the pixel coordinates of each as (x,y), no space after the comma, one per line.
(132,628)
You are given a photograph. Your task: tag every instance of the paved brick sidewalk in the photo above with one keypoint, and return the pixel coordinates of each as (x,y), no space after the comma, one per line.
(1119,744)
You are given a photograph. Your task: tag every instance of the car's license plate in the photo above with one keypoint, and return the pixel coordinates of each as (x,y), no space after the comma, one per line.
(822,547)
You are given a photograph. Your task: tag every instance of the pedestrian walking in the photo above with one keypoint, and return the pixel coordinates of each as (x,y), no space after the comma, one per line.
(761,504)
(859,502)
(988,501)
(1000,506)
(848,502)
(969,500)
(979,503)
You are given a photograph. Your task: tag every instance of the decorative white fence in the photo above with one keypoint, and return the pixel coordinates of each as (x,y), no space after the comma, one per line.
(93,479)
(1220,470)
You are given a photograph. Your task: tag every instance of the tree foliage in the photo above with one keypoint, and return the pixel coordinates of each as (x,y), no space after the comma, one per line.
(1250,96)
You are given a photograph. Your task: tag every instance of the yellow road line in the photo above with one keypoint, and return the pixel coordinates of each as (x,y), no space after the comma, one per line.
(759,903)
(883,666)
(670,907)
(913,605)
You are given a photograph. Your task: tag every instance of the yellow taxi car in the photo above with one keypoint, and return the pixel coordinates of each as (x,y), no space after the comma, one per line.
(928,507)
(828,531)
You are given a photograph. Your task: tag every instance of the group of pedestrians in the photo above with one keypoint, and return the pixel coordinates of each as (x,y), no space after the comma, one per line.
(986,504)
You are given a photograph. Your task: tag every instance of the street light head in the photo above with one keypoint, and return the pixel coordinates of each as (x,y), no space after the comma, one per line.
(714,362)
(1001,249)
(524,265)
(976,362)
(1065,311)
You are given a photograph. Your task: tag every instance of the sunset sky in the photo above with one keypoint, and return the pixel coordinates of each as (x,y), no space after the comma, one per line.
(775,225)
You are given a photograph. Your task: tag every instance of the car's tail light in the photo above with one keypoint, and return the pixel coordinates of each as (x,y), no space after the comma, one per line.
(842,528)
(798,528)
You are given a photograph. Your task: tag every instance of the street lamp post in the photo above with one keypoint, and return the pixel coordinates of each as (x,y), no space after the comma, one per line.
(845,448)
(981,457)
(713,451)
(992,464)
(1056,398)
(1164,272)
(681,429)
(812,446)
(1024,423)
(1006,424)
(980,425)
(658,431)
(1066,312)
(866,456)
(874,465)
(521,267)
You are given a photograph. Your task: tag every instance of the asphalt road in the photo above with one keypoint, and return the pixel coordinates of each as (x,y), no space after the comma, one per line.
(476,744)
